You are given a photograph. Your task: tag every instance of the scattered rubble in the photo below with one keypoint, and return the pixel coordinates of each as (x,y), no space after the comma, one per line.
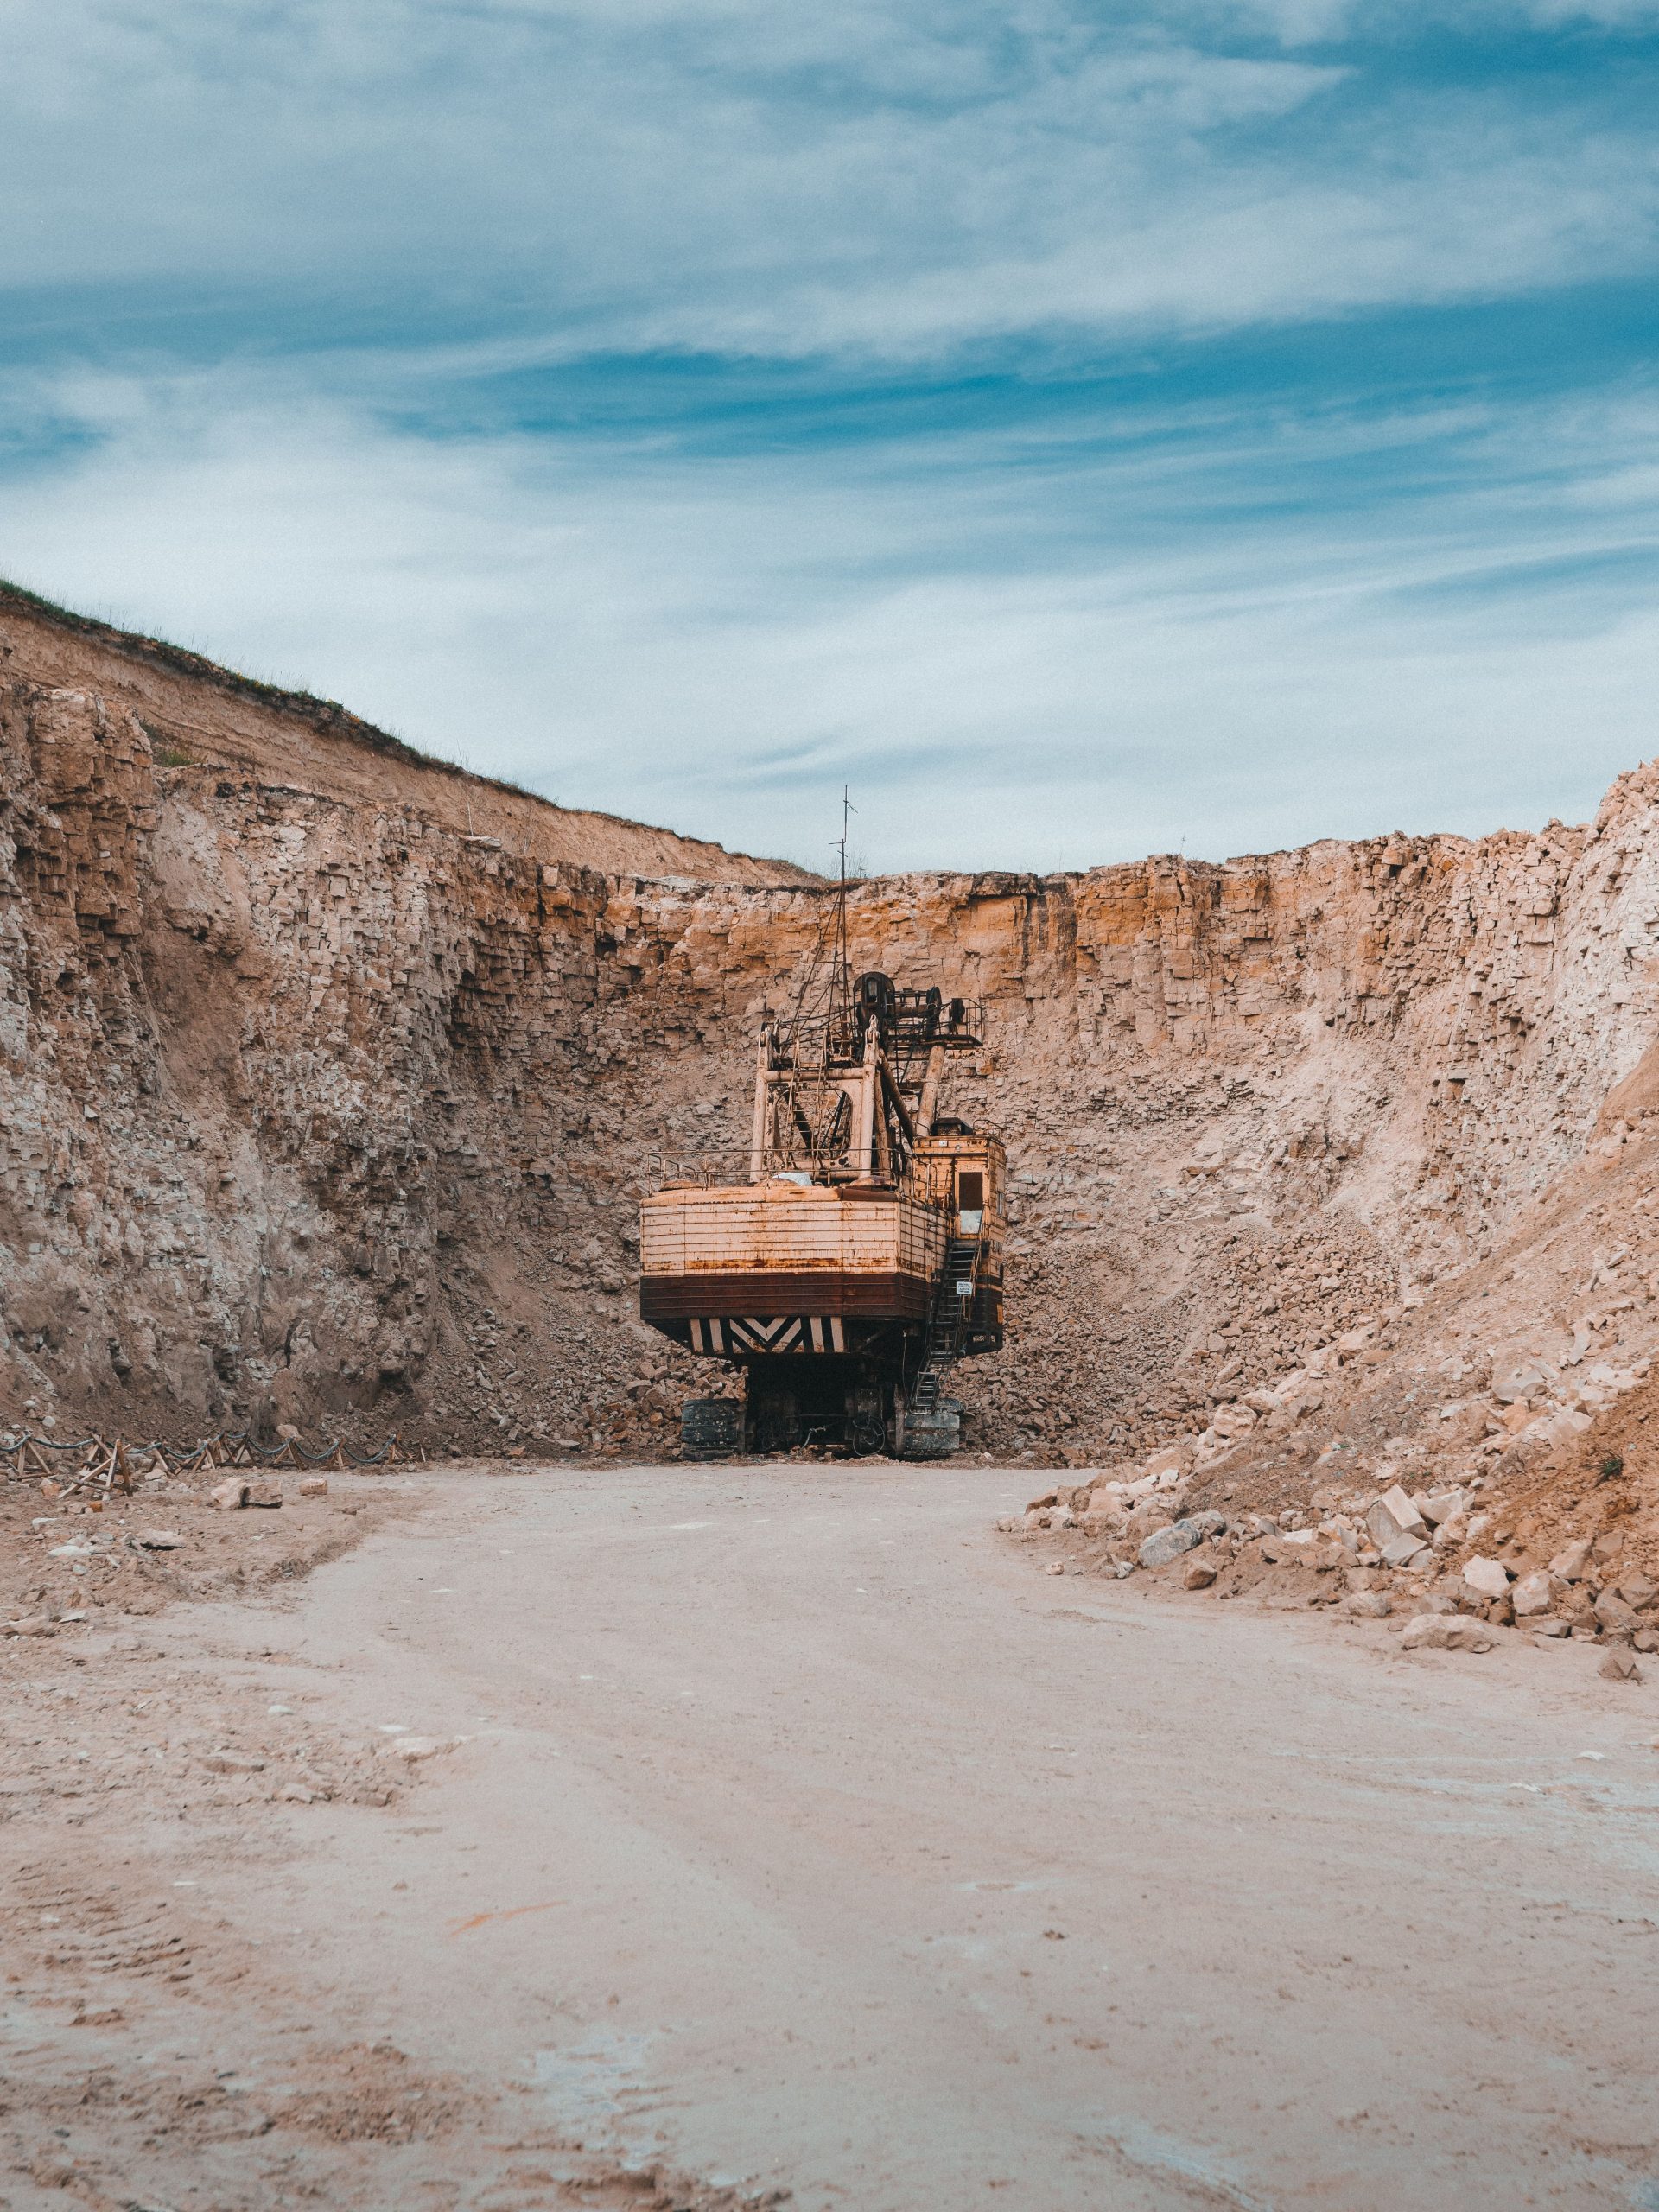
(68,1556)
(1471,1556)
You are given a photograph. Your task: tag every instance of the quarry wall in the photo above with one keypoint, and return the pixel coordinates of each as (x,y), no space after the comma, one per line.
(330,1080)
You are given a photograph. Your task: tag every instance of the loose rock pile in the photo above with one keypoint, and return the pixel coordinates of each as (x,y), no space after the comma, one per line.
(1441,1561)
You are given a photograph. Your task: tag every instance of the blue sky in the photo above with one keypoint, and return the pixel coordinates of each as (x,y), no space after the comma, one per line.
(1088,430)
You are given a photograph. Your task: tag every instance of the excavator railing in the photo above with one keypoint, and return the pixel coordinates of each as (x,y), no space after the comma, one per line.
(950,1320)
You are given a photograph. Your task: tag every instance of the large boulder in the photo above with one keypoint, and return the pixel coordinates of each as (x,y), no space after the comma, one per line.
(1444,1633)
(1490,1577)
(1164,1545)
(1393,1514)
(1531,1596)
(1403,1550)
(1441,1506)
(1519,1383)
(1367,1604)
(1570,1563)
(1616,1617)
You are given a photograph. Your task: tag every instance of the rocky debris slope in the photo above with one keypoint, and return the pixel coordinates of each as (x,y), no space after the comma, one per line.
(1418,1557)
(1486,1451)
(316,1108)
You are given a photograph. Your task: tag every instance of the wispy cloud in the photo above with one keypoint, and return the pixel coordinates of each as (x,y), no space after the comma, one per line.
(1091,430)
(721,643)
(890,179)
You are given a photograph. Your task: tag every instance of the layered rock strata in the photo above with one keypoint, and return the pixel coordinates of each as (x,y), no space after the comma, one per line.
(329,1080)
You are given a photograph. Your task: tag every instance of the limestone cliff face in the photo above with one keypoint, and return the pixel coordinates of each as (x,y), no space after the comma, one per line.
(302,1053)
(1248,1103)
(318,1101)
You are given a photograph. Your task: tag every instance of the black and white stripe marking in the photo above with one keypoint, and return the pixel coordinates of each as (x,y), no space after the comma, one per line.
(752,1332)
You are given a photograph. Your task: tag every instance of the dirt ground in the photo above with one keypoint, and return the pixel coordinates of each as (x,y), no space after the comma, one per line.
(124,1752)
(676,1836)
(90,1554)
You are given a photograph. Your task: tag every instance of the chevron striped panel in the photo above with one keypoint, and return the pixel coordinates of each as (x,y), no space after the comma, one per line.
(752,1332)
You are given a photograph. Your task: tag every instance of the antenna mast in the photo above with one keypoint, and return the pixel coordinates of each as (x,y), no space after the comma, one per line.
(841,970)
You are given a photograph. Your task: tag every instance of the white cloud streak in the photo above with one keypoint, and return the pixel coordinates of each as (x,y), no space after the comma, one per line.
(887,180)
(1068,646)
(718,646)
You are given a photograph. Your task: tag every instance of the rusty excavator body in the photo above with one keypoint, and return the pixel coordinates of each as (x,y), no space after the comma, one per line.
(862,1259)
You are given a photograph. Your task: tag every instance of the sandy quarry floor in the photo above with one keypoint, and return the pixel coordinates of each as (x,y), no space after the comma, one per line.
(802,1836)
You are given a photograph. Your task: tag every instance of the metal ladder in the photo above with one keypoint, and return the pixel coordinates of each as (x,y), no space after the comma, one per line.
(947,1323)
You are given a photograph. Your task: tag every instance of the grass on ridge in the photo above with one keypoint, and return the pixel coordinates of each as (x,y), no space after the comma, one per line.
(321,713)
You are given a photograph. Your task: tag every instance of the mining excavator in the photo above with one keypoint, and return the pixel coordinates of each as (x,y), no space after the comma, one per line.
(862,1259)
